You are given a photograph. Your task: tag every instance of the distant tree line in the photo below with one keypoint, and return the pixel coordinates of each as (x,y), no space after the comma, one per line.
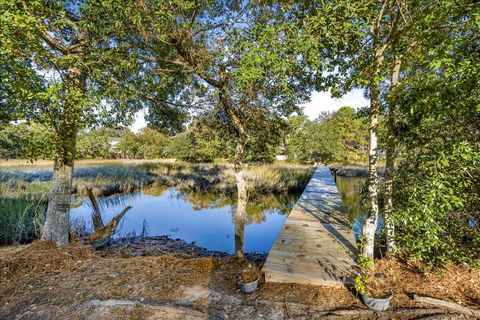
(339,137)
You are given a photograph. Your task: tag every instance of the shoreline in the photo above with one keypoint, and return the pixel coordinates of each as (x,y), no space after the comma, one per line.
(155,246)
(354,171)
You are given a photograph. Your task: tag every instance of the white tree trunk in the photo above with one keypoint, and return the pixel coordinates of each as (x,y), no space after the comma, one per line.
(370,226)
(242,189)
(390,161)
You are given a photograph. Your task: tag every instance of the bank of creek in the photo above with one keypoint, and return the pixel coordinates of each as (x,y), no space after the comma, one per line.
(173,255)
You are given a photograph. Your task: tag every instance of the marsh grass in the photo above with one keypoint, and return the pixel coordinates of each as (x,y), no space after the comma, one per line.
(215,178)
(108,180)
(22,209)
(356,171)
(220,178)
(20,219)
(79,163)
(112,179)
(279,179)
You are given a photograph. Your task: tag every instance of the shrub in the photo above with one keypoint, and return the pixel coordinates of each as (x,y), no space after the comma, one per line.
(438,205)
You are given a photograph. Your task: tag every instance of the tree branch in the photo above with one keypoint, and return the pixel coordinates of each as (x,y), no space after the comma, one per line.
(53,43)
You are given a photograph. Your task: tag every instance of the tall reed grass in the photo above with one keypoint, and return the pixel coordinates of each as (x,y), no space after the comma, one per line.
(279,179)
(221,177)
(20,219)
(112,179)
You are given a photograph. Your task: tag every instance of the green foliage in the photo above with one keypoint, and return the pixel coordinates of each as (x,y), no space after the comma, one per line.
(436,186)
(246,77)
(206,138)
(24,141)
(13,141)
(153,144)
(147,144)
(361,284)
(362,280)
(94,144)
(364,262)
(338,137)
(209,138)
(73,65)
(353,131)
(183,147)
(315,142)
(438,205)
(129,145)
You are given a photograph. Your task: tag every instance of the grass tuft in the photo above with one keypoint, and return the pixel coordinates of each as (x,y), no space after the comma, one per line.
(20,219)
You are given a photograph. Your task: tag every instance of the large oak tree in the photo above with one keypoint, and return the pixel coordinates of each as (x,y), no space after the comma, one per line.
(245,70)
(68,65)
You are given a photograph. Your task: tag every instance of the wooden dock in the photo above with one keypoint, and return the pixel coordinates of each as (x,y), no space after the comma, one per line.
(316,245)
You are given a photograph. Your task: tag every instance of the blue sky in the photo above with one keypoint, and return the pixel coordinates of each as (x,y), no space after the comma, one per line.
(320,101)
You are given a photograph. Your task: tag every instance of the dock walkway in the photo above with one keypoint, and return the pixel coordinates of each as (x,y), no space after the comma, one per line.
(316,245)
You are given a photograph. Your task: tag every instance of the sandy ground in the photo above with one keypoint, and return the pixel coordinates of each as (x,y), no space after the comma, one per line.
(40,281)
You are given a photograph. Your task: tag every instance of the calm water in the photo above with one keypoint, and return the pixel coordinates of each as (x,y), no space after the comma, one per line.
(203,218)
(350,191)
(208,219)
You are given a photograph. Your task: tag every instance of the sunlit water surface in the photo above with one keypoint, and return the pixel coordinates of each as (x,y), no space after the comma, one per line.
(208,219)
(203,218)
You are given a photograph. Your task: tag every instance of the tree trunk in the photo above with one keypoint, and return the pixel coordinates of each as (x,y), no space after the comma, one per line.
(242,197)
(389,166)
(242,194)
(242,189)
(240,132)
(56,227)
(370,225)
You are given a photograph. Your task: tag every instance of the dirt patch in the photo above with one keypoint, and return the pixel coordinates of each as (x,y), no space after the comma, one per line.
(41,274)
(41,281)
(458,283)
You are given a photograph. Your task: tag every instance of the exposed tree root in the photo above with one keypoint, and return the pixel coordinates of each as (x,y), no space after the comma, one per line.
(113,303)
(447,304)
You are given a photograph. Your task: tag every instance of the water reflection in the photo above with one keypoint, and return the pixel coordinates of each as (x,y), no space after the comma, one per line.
(204,218)
(242,201)
(350,190)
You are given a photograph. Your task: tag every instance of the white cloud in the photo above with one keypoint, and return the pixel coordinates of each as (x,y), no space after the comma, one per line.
(322,101)
(139,122)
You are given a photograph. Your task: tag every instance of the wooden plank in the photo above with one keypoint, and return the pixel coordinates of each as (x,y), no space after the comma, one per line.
(316,245)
